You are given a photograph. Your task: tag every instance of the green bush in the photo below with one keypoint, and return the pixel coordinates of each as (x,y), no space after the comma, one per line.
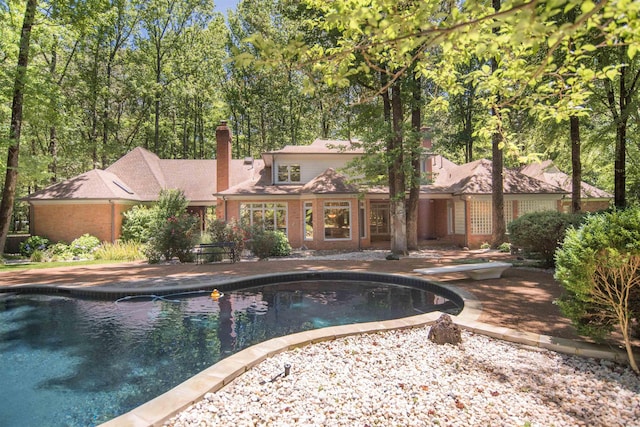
(231,232)
(505,247)
(173,237)
(598,265)
(173,232)
(34,243)
(136,226)
(269,243)
(58,252)
(539,233)
(84,246)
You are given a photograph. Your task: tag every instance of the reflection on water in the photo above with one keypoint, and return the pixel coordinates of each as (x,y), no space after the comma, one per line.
(81,362)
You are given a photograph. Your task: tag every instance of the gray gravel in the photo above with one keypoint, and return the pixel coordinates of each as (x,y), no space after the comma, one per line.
(400,378)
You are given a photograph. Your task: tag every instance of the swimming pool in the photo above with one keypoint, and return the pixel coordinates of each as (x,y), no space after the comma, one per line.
(76,361)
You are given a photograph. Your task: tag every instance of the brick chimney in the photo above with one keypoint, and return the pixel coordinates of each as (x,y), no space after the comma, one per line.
(223,156)
(427,144)
(426,137)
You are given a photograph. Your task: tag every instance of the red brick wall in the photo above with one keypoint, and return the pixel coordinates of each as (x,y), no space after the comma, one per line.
(66,222)
(295,224)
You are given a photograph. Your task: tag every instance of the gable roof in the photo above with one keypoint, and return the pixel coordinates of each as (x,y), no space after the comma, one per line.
(94,185)
(548,172)
(475,178)
(329,182)
(140,175)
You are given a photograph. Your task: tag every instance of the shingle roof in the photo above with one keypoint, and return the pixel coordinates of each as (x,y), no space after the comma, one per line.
(329,182)
(546,171)
(94,185)
(321,146)
(475,178)
(140,175)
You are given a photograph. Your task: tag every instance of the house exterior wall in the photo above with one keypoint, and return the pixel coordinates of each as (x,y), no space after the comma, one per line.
(296,222)
(311,165)
(586,205)
(68,221)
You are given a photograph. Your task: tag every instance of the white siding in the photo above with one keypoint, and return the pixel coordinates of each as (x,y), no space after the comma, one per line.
(312,165)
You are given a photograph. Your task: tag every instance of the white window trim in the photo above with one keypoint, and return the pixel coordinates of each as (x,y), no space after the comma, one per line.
(288,166)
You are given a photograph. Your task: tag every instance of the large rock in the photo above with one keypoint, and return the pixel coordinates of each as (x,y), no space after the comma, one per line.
(444,331)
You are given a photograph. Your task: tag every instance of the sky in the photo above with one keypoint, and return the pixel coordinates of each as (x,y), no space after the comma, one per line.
(223,5)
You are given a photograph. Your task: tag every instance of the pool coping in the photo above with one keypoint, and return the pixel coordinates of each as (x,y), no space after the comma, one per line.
(162,408)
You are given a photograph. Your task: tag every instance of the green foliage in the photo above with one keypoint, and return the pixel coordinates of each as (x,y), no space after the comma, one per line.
(539,233)
(269,243)
(37,256)
(615,233)
(173,237)
(231,232)
(120,251)
(84,245)
(58,252)
(505,247)
(173,232)
(32,244)
(171,203)
(136,224)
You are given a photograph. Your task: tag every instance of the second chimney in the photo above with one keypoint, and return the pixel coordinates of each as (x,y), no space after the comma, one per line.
(223,156)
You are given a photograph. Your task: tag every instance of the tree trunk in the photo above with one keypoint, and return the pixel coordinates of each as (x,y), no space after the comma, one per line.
(499,231)
(576,165)
(11,178)
(397,188)
(414,183)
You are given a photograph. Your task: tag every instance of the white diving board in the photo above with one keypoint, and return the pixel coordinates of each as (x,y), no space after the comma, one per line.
(477,271)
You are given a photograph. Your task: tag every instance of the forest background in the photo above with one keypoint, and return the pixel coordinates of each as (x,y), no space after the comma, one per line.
(513,81)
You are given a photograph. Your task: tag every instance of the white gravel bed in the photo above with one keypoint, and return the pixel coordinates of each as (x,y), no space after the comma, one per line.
(400,378)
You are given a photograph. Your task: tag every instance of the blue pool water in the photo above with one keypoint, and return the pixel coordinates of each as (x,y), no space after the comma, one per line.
(78,362)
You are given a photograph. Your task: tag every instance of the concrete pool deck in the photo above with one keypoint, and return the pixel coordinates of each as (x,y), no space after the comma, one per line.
(517,307)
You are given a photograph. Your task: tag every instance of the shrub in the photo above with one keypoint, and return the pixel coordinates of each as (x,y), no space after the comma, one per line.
(173,237)
(136,226)
(540,233)
(84,245)
(230,232)
(599,266)
(32,244)
(505,247)
(173,232)
(269,243)
(58,252)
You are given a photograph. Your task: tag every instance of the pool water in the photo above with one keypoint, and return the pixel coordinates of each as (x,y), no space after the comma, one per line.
(78,362)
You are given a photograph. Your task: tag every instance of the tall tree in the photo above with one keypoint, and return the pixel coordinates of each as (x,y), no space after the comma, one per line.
(11,178)
(166,25)
(499,229)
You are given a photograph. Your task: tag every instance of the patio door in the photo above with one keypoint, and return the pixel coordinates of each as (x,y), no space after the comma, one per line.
(380,221)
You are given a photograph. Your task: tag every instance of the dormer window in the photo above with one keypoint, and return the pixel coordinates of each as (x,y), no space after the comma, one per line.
(288,173)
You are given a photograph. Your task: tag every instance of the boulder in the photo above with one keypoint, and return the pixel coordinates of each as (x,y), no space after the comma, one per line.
(444,331)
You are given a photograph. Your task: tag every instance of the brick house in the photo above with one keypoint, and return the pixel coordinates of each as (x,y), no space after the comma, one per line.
(299,190)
